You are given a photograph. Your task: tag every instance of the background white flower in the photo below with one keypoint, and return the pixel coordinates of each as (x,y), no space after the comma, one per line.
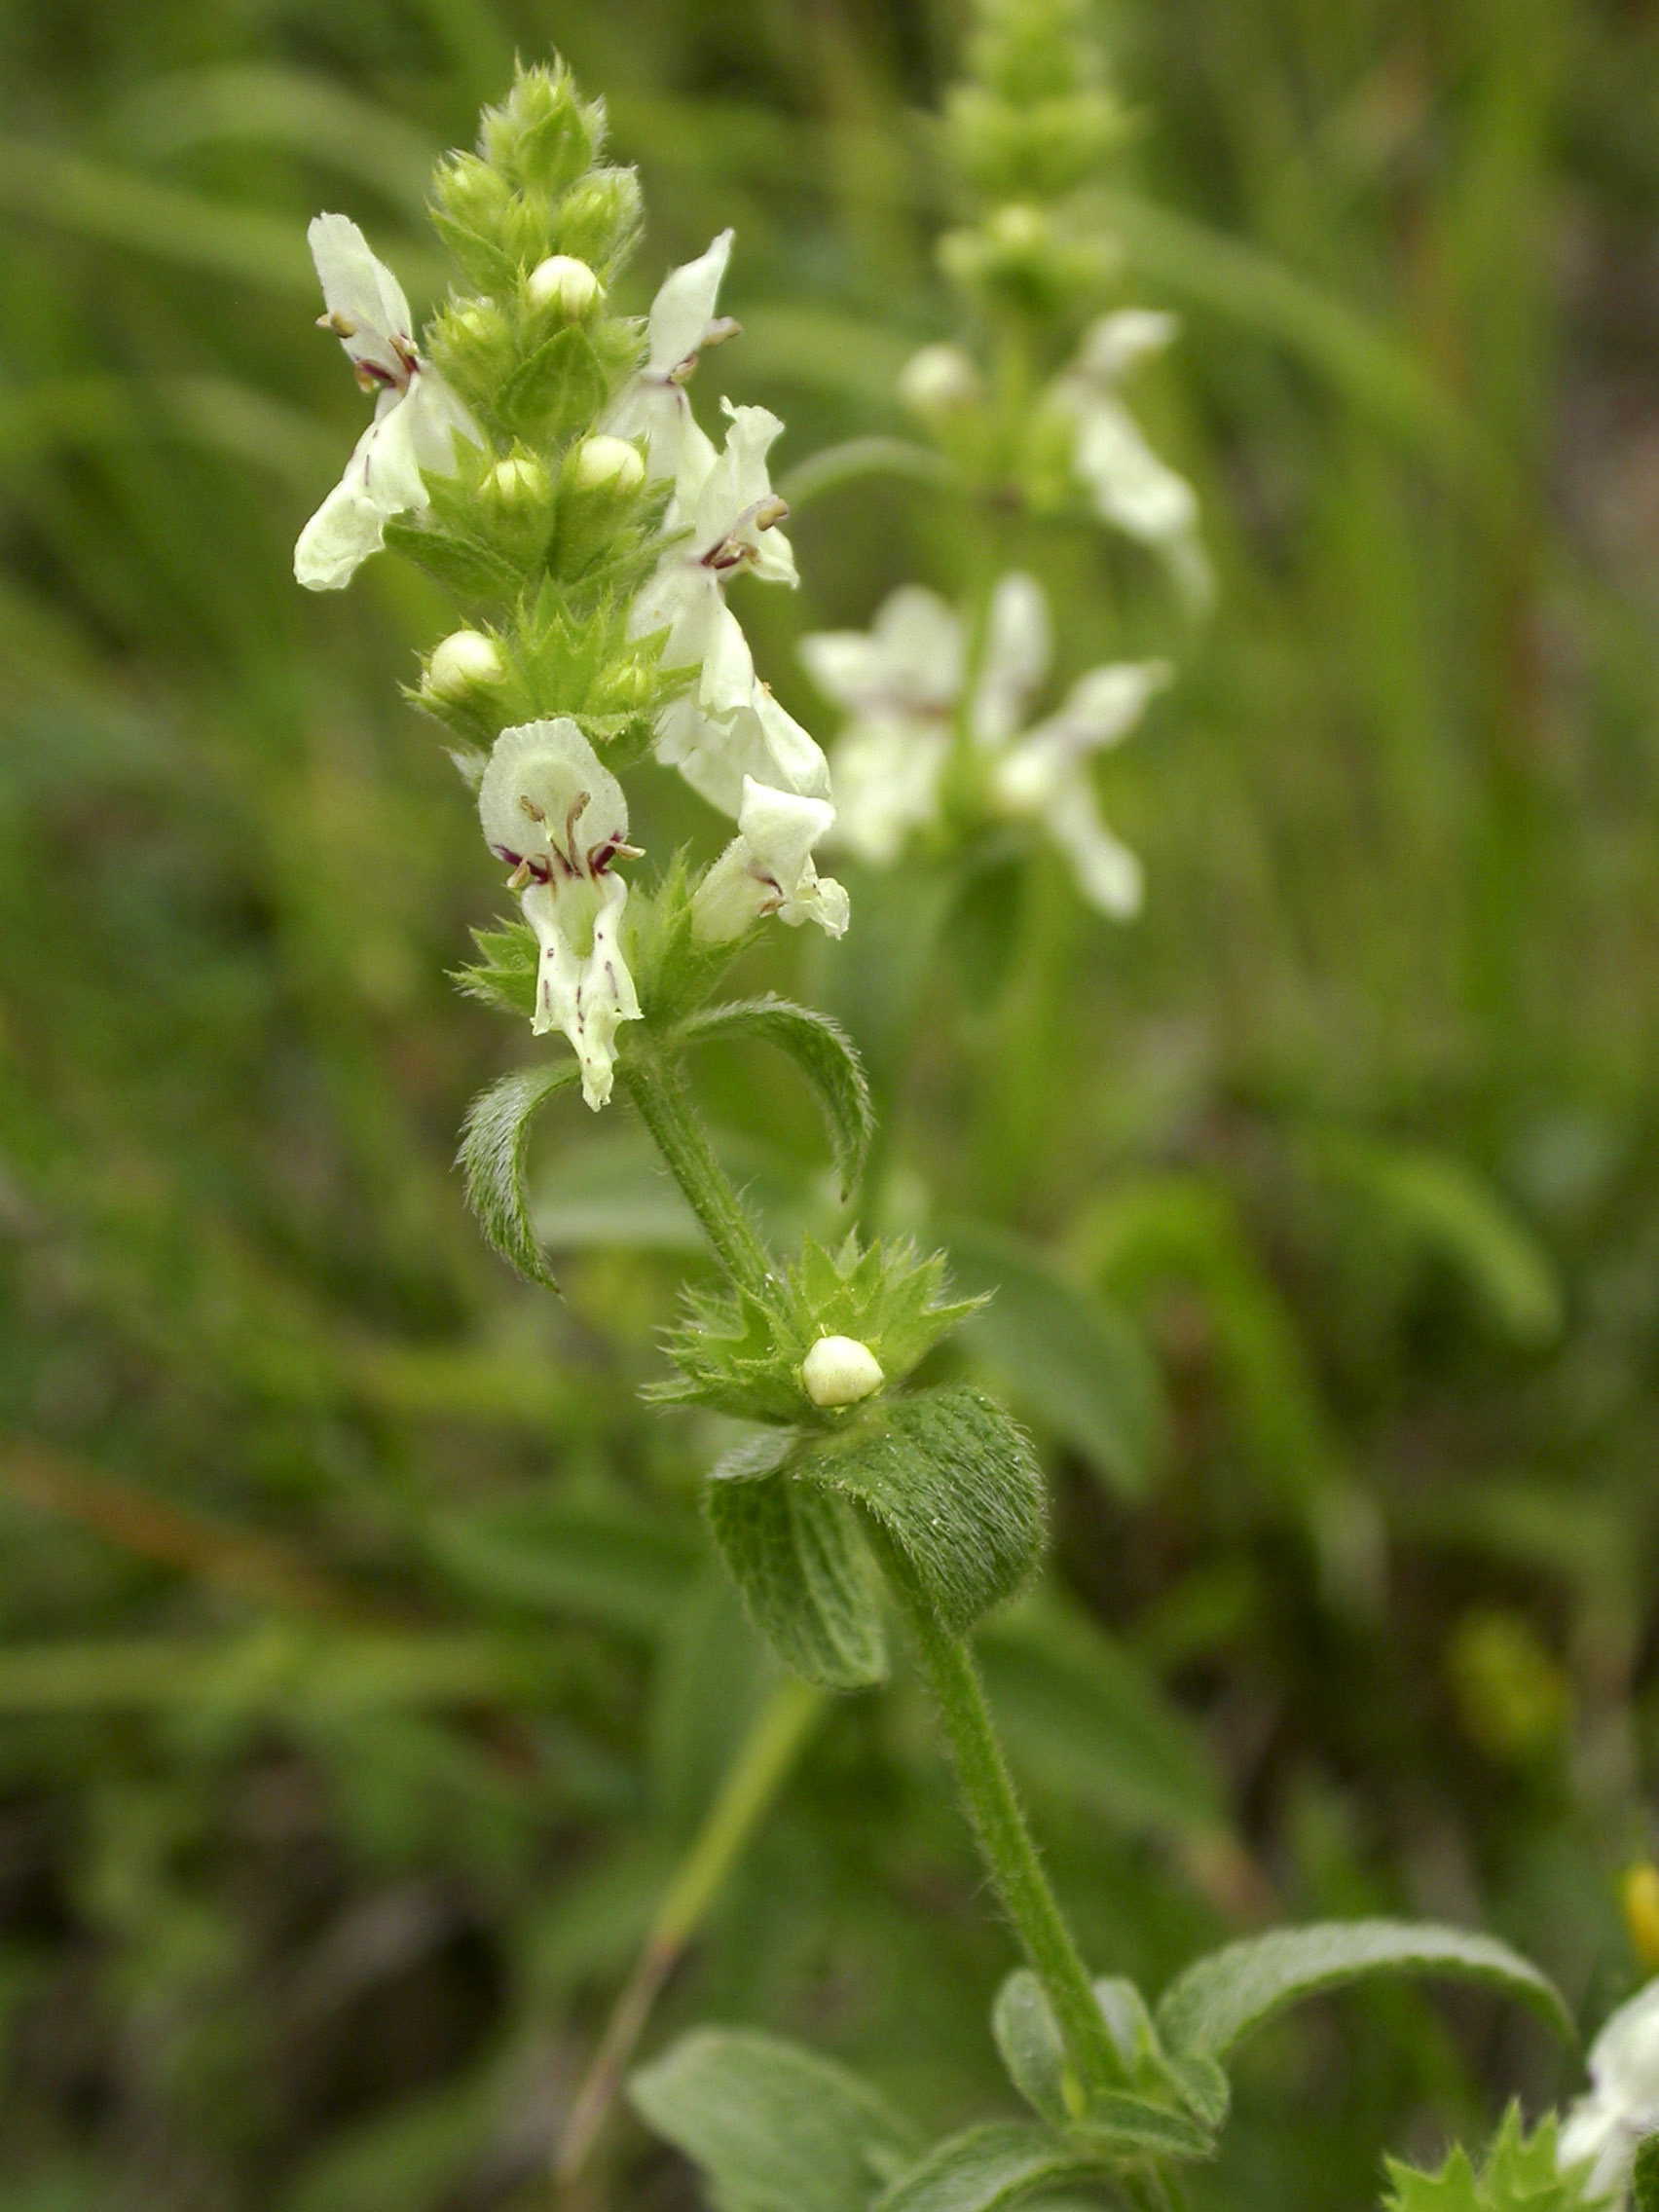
(1132,488)
(1622,2104)
(417,418)
(902,685)
(558,817)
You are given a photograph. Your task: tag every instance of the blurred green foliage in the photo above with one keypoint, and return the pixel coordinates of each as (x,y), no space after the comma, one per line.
(364,1669)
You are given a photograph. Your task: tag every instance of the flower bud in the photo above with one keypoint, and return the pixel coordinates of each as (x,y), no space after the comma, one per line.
(839,1371)
(598,217)
(606,465)
(519,481)
(461,663)
(563,282)
(940,381)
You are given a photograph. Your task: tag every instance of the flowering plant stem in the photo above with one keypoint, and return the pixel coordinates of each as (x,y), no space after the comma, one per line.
(752,1783)
(1005,1840)
(659,1096)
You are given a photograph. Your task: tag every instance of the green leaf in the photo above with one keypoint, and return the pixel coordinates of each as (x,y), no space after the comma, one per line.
(774,2128)
(800,1560)
(1023,2025)
(1030,2041)
(988,2167)
(1084,1720)
(1218,1999)
(492,1156)
(954,1483)
(1519,2174)
(821,1048)
(1077,1365)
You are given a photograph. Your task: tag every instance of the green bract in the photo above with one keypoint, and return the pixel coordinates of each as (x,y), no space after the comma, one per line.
(1517,2174)
(740,1352)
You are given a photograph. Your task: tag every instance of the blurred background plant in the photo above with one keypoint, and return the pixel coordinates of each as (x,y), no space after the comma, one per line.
(360,1635)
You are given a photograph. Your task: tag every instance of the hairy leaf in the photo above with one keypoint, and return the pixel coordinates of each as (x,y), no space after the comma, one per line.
(774,2128)
(805,1573)
(1218,1999)
(493,1145)
(1029,2039)
(953,1482)
(989,2168)
(823,1051)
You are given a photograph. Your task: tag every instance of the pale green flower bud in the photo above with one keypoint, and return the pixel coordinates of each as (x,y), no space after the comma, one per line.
(606,465)
(940,381)
(518,482)
(598,217)
(563,282)
(464,662)
(839,1371)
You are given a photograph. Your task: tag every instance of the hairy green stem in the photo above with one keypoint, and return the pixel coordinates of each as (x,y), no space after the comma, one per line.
(1005,1840)
(659,1095)
(752,1782)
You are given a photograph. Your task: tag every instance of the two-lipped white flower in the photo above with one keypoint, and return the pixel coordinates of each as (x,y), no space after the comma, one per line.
(731,514)
(768,868)
(653,404)
(416,417)
(762,741)
(902,687)
(1622,2104)
(726,726)
(559,818)
(1131,488)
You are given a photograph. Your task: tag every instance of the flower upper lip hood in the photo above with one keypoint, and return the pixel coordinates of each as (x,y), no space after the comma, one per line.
(653,404)
(416,417)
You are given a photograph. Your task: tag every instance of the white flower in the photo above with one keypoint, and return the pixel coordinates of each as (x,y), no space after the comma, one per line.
(767,869)
(558,818)
(1132,488)
(417,419)
(653,404)
(902,687)
(762,741)
(727,726)
(900,683)
(731,514)
(1622,2105)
